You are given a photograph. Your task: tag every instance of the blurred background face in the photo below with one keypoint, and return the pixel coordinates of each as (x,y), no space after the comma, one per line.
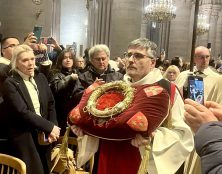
(67,61)
(100,61)
(171,75)
(26,63)
(8,47)
(202,58)
(80,63)
(161,69)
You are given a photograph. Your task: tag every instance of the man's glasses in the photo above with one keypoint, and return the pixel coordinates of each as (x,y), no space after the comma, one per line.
(10,46)
(203,56)
(136,56)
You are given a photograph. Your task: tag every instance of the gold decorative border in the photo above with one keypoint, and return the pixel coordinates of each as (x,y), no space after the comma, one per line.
(128,93)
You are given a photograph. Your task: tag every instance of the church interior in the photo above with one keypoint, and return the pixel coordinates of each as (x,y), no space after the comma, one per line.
(83,23)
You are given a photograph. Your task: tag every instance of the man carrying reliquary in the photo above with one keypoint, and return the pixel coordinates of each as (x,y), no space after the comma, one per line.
(144,130)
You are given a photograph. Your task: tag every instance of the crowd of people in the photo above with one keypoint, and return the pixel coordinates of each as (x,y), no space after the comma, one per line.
(37,96)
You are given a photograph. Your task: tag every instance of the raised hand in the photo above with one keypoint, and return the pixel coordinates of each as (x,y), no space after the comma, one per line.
(30,39)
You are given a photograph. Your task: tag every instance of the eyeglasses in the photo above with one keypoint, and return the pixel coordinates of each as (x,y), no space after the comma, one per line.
(136,56)
(10,46)
(203,56)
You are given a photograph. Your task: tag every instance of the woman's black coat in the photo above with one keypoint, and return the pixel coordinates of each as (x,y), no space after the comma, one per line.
(24,123)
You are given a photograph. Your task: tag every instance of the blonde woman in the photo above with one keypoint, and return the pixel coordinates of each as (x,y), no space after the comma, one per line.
(31,110)
(171,73)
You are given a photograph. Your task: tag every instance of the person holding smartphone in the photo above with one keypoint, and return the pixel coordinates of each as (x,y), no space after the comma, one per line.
(205,121)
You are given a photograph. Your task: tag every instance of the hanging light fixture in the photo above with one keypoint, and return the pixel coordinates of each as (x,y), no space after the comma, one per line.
(160,11)
(202,24)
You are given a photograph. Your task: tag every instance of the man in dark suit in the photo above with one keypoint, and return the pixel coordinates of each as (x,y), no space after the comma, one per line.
(7,46)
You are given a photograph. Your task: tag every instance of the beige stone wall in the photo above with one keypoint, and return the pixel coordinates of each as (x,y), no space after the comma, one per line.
(180,31)
(218,42)
(18,17)
(73,26)
(125,24)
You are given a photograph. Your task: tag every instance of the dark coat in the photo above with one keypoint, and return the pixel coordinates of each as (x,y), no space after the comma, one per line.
(24,123)
(208,144)
(87,78)
(67,93)
(4,72)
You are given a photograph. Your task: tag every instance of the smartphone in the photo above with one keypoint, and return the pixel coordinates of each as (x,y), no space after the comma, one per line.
(37,32)
(195,89)
(50,40)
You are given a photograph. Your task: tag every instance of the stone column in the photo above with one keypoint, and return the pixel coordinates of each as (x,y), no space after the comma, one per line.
(218,42)
(202,39)
(125,25)
(56,12)
(99,19)
(164,38)
(213,28)
(180,31)
(212,12)
(114,23)
(144,23)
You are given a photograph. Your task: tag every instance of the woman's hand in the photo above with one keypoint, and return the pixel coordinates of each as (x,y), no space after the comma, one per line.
(77,130)
(54,135)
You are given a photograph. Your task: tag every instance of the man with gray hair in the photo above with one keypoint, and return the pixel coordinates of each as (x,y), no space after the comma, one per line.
(202,69)
(171,143)
(99,69)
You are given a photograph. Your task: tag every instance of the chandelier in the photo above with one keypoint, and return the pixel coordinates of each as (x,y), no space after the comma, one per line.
(160,11)
(202,25)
